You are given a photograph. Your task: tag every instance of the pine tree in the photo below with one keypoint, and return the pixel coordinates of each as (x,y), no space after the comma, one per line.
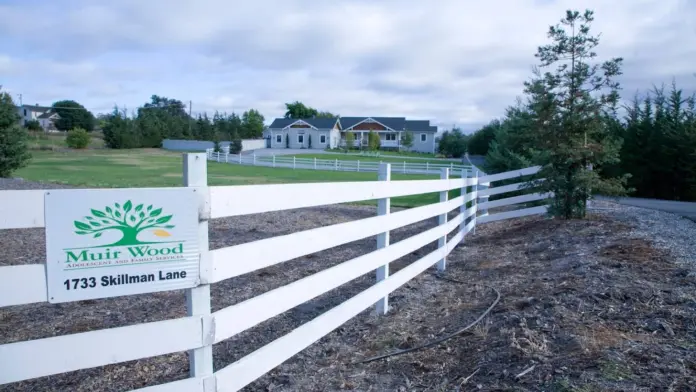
(569,107)
(14,147)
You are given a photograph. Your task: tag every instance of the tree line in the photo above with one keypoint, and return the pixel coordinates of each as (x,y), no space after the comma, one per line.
(165,118)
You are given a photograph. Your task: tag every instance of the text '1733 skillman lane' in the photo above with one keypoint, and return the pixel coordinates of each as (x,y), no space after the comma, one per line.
(120,243)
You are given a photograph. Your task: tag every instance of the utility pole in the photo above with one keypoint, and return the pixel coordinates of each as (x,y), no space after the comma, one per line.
(20,99)
(190,118)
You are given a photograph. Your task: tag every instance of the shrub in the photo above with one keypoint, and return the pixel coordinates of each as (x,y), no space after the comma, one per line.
(33,125)
(14,143)
(236,144)
(78,138)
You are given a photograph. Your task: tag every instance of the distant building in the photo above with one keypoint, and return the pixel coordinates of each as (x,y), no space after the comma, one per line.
(45,115)
(331,132)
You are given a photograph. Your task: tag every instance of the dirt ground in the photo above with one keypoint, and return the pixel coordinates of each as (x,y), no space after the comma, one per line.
(584,307)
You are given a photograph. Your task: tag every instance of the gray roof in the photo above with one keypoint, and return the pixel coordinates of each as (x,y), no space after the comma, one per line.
(320,123)
(48,114)
(418,125)
(433,128)
(36,108)
(395,123)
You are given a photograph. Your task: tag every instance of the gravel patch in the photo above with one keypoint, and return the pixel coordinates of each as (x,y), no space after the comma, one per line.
(669,232)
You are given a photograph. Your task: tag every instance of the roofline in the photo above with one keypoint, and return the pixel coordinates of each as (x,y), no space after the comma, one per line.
(302,121)
(370,118)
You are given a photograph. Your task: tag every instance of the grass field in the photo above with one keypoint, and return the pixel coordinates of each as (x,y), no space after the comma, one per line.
(363,158)
(159,168)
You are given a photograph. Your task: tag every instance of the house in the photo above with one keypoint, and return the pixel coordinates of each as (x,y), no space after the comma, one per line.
(322,133)
(389,129)
(45,115)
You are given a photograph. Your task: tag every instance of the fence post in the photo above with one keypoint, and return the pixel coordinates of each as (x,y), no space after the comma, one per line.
(404,167)
(218,156)
(442,219)
(336,165)
(451,165)
(240,157)
(358,165)
(273,160)
(427,168)
(198,298)
(253,162)
(226,155)
(315,163)
(383,208)
(293,162)
(476,199)
(462,208)
(482,199)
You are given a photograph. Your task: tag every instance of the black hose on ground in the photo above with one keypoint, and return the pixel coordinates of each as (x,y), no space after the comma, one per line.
(444,338)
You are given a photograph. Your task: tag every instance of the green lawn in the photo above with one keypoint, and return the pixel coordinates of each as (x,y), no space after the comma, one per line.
(352,157)
(158,168)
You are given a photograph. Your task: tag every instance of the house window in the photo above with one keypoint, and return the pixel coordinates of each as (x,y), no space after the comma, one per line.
(424,137)
(25,112)
(300,139)
(391,137)
(322,139)
(279,138)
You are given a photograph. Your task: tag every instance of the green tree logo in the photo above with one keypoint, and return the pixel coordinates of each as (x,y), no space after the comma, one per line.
(128,220)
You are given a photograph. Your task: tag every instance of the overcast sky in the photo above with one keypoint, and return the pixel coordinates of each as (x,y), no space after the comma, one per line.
(453,62)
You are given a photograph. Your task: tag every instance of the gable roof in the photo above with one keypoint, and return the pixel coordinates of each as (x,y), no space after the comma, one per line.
(320,123)
(395,123)
(48,114)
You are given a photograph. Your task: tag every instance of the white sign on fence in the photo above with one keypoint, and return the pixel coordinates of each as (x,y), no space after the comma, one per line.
(107,243)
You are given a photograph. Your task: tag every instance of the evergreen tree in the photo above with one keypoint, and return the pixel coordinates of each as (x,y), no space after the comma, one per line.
(236,144)
(569,107)
(14,139)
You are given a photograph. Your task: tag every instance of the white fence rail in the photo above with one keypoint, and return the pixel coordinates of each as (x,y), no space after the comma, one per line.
(196,333)
(332,164)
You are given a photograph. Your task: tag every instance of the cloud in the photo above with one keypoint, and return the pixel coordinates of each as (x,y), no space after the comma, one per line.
(453,62)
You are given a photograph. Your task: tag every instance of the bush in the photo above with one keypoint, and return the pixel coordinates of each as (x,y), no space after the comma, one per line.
(14,143)
(33,125)
(236,144)
(78,138)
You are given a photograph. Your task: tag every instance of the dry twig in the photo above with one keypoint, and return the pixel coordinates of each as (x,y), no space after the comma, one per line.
(525,371)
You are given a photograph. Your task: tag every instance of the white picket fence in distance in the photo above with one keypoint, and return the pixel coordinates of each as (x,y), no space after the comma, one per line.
(196,333)
(292,162)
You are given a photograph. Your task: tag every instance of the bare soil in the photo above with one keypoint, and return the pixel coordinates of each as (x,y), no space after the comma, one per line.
(585,305)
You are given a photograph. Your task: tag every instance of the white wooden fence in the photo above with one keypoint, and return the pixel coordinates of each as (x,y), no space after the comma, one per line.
(331,164)
(196,333)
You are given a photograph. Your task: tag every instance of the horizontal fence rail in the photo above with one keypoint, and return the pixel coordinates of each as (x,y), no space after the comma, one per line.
(486,188)
(196,333)
(369,165)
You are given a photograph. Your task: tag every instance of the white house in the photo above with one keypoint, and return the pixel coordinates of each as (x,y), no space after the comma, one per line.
(331,132)
(314,133)
(43,114)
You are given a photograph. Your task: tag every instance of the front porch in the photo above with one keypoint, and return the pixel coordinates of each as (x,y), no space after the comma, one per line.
(387,139)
